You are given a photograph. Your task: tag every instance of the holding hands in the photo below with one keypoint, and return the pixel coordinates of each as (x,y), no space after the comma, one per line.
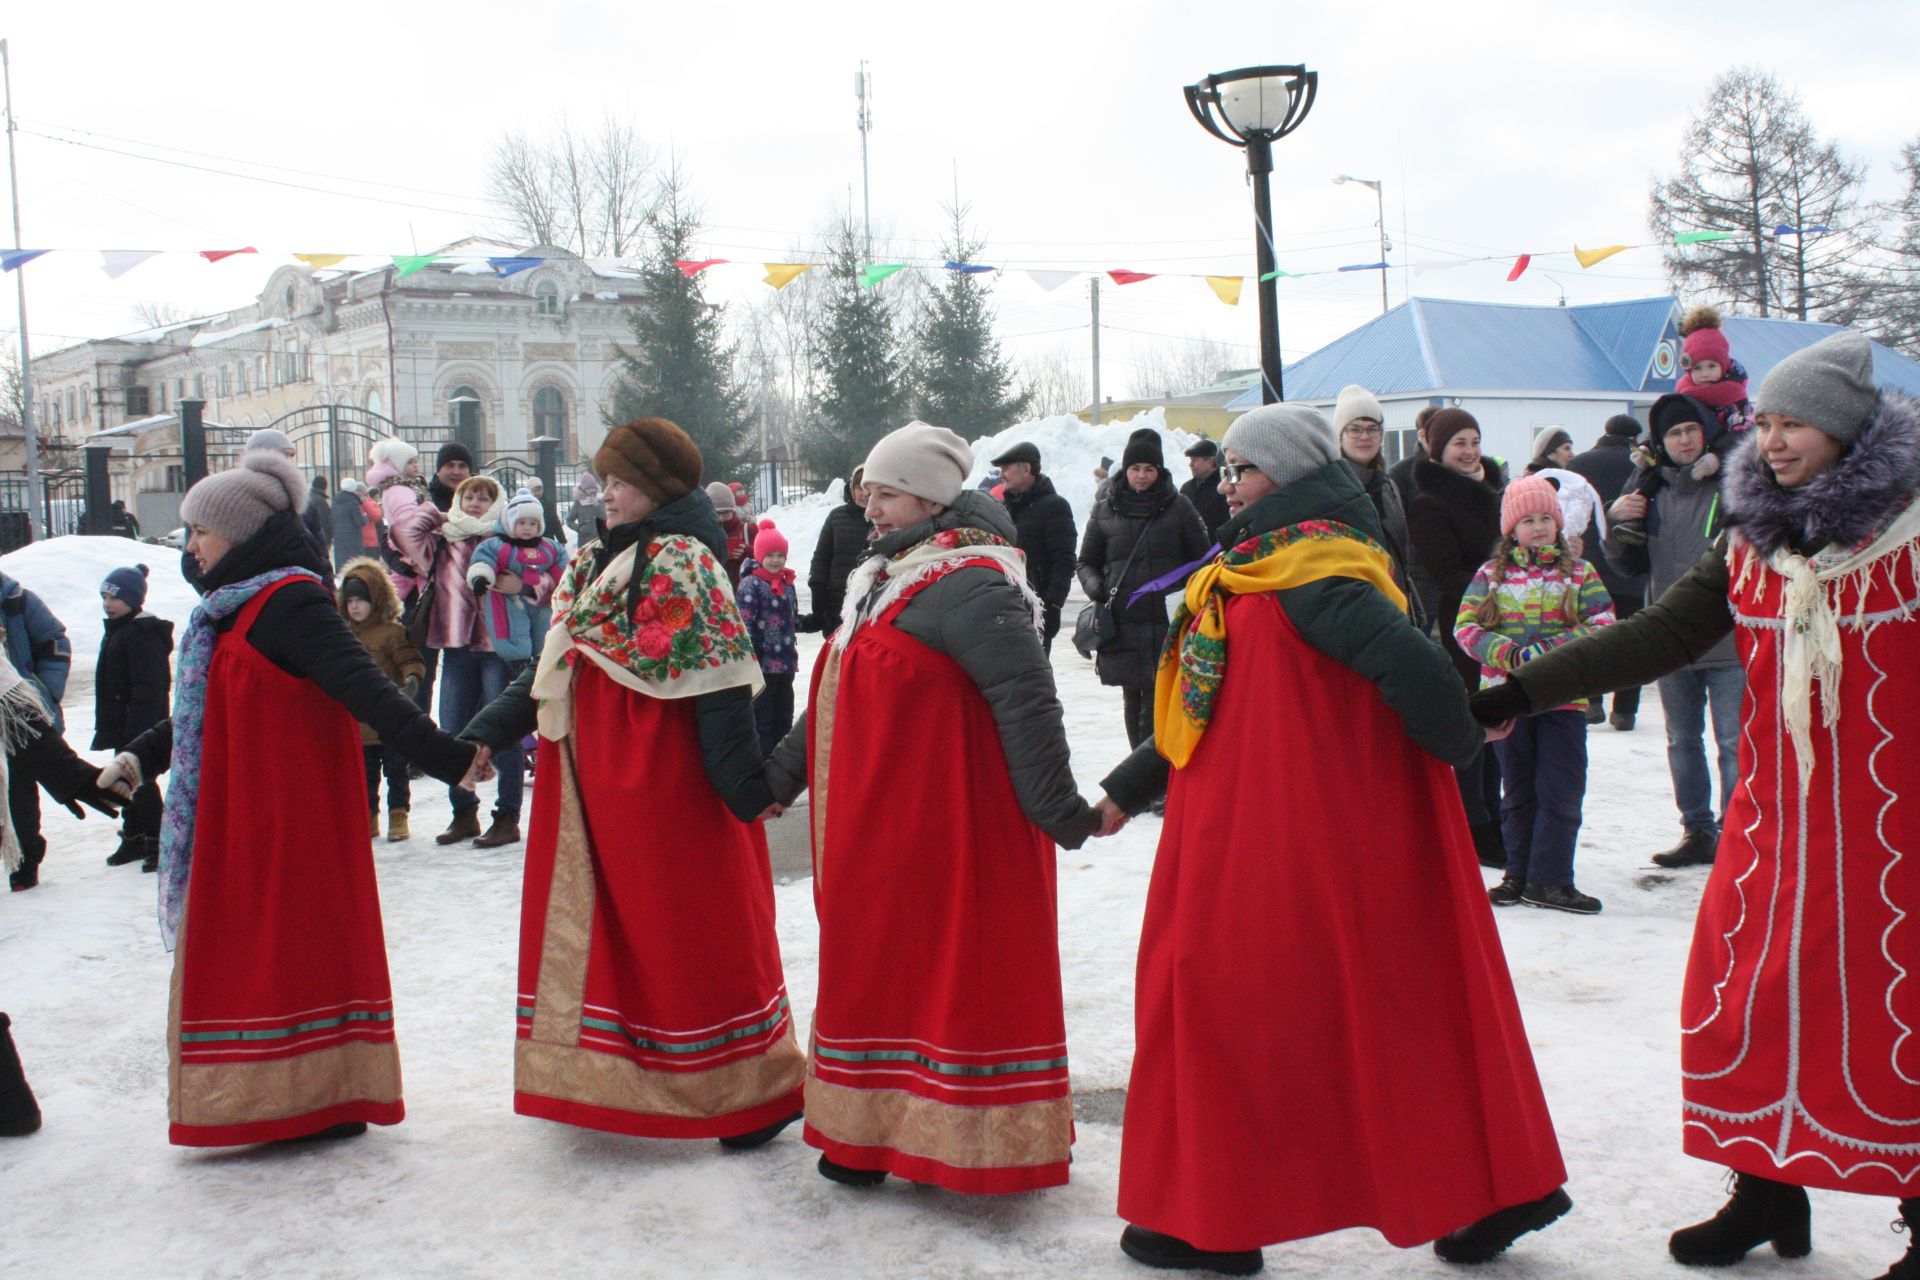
(1112,817)
(481,770)
(121,776)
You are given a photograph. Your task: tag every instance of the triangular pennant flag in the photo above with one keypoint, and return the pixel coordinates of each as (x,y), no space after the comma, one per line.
(1130,277)
(13,258)
(1686,238)
(320,260)
(1226,288)
(1276,274)
(1798,231)
(872,273)
(509,266)
(215,255)
(782,274)
(408,263)
(1520,265)
(968,268)
(117,262)
(1051,280)
(690,269)
(1364,266)
(1587,257)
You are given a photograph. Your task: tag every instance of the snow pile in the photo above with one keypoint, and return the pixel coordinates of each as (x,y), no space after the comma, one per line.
(67,573)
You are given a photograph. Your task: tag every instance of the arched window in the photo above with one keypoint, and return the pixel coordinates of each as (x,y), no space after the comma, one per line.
(477,409)
(546,298)
(550,414)
(226,381)
(243,372)
(374,403)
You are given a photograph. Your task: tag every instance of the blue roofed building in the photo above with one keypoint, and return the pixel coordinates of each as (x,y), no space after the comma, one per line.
(1522,368)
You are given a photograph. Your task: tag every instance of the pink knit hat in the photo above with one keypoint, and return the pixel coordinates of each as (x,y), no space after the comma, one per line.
(769,541)
(1528,496)
(1707,344)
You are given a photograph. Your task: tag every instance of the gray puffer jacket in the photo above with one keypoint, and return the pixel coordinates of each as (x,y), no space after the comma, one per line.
(984,623)
(1683,521)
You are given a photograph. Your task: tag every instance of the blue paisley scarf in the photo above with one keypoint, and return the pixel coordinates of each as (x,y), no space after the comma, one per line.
(189,725)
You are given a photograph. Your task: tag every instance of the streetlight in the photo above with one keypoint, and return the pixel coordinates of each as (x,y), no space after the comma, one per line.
(1385,244)
(1253,108)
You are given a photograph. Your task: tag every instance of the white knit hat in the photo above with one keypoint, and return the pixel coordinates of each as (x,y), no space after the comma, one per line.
(522,506)
(921,459)
(1356,402)
(393,450)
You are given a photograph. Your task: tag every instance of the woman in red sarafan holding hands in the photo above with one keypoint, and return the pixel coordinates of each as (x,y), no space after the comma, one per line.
(652,1000)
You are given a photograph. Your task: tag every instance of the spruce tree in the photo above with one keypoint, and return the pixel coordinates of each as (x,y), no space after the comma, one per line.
(681,366)
(960,380)
(862,383)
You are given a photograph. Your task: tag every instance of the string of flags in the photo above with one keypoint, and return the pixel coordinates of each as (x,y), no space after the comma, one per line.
(1227,288)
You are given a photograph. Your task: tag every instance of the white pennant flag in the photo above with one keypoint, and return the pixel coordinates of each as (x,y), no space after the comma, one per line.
(117,262)
(1051,280)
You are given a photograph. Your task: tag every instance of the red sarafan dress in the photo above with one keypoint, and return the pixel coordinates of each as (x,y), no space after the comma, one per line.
(939,1041)
(1798,1052)
(1327,1034)
(281,1018)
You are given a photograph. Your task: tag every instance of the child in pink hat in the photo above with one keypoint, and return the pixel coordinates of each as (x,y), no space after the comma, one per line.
(768,607)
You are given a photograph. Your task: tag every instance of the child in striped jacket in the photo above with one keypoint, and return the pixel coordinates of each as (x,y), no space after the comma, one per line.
(1532,596)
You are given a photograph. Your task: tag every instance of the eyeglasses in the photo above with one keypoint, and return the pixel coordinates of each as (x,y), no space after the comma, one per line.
(1234,470)
(1354,429)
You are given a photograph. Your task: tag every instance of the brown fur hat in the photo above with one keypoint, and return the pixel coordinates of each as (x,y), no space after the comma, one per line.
(371,575)
(654,456)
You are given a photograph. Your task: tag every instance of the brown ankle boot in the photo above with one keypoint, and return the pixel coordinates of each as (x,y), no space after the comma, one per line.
(373,820)
(505,830)
(397,826)
(465,826)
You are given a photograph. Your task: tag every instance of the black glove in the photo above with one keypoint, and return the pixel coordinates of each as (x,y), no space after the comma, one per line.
(1501,703)
(1050,615)
(101,801)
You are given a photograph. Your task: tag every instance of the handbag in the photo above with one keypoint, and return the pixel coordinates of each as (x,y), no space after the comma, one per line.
(419,611)
(1096,624)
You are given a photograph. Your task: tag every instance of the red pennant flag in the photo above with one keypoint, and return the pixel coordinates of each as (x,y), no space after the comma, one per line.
(1520,265)
(692,269)
(214,255)
(1130,277)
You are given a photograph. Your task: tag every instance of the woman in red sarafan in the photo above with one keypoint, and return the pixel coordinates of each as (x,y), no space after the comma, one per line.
(1326,1033)
(652,1000)
(937,757)
(281,1019)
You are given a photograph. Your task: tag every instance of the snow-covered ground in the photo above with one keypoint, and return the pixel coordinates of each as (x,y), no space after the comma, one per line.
(465,1187)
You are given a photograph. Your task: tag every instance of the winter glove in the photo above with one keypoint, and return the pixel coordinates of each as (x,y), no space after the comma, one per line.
(1501,703)
(1051,615)
(121,777)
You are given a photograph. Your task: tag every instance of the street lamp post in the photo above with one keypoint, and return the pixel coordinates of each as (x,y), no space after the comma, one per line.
(1253,108)
(1380,199)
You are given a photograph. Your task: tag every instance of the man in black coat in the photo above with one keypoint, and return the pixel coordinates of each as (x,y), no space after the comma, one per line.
(1203,491)
(1607,467)
(132,692)
(1044,522)
(842,545)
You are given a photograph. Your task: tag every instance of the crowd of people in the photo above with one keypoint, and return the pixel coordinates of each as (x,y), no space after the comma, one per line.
(1455,626)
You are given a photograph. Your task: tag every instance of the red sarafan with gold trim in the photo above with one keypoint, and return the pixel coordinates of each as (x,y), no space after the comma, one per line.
(1798,1050)
(281,1017)
(939,1041)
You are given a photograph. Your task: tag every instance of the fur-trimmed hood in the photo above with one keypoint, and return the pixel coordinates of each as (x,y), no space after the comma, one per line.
(1873,482)
(386,602)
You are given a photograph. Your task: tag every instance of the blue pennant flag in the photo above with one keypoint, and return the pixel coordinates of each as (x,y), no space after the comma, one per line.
(1365,266)
(12,258)
(968,268)
(508,266)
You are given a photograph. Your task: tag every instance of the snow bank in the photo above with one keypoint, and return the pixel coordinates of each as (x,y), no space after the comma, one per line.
(67,573)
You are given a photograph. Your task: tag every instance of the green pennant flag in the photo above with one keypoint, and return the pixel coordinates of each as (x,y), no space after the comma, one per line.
(412,262)
(1275,275)
(872,273)
(1701,237)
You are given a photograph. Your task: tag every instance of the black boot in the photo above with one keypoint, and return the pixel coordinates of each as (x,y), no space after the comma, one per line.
(1174,1254)
(1694,850)
(1487,1239)
(332,1133)
(1908,1268)
(1761,1211)
(132,849)
(1488,846)
(850,1177)
(19,1113)
(25,876)
(759,1137)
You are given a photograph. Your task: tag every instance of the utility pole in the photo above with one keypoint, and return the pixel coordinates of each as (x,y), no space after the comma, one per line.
(863,91)
(1096,350)
(35,498)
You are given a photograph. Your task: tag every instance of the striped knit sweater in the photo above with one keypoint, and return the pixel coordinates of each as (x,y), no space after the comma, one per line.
(1541,608)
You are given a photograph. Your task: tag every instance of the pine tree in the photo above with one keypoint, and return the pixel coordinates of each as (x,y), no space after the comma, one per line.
(862,383)
(681,366)
(960,380)
(1751,163)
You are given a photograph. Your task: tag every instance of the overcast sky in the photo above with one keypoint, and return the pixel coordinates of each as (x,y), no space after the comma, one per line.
(1497,127)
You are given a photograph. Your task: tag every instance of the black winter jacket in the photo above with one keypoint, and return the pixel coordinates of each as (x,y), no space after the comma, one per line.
(132,684)
(315,516)
(729,743)
(842,546)
(1120,518)
(1044,521)
(348,519)
(1607,466)
(1211,504)
(1454,523)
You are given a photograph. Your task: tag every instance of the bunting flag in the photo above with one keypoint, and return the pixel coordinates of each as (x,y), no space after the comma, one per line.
(1587,257)
(10,259)
(967,268)
(117,262)
(1364,266)
(1130,277)
(408,263)
(1227,288)
(1520,265)
(782,274)
(1686,238)
(215,255)
(1051,280)
(512,266)
(1275,274)
(691,269)
(1782,232)
(872,273)
(319,261)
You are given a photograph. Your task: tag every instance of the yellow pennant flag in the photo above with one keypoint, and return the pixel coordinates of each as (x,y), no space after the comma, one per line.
(1588,257)
(1226,288)
(319,260)
(782,274)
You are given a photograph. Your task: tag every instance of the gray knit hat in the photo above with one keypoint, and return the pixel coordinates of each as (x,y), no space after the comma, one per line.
(234,504)
(1287,442)
(1828,385)
(921,459)
(268,438)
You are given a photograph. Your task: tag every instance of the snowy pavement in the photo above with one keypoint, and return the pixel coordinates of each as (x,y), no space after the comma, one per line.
(465,1187)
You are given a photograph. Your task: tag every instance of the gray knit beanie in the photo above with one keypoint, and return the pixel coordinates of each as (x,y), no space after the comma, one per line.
(1828,385)
(1287,442)
(921,459)
(234,504)
(268,438)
